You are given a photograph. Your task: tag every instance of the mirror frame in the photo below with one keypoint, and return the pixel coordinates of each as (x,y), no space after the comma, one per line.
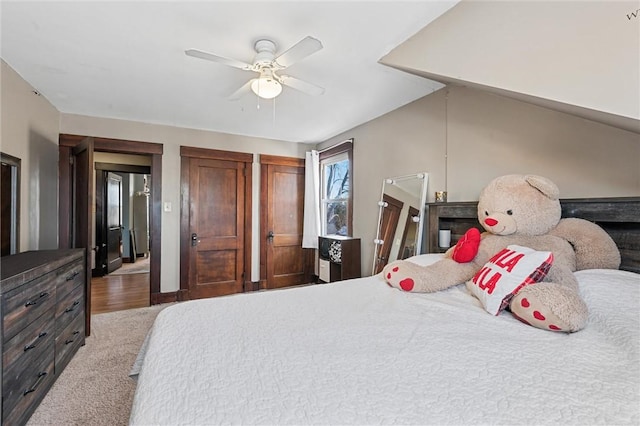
(378,242)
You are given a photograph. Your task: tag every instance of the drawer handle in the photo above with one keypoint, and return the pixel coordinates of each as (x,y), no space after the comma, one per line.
(41,376)
(75,333)
(34,302)
(73,307)
(72,276)
(35,341)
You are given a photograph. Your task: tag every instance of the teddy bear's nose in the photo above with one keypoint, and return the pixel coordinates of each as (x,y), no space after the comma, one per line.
(491,221)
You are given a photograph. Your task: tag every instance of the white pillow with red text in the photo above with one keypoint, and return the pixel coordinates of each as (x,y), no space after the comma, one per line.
(506,273)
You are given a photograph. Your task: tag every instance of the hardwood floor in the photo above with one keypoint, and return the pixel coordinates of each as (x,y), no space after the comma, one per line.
(119,292)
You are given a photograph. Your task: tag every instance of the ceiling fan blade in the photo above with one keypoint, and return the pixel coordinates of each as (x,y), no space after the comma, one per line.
(215,58)
(246,88)
(303,86)
(298,51)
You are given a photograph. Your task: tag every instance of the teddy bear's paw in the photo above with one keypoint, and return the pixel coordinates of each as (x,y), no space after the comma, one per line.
(467,247)
(399,275)
(549,306)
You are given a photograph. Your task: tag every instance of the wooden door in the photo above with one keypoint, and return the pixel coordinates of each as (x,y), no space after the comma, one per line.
(83,196)
(100,229)
(213,240)
(114,221)
(388,225)
(283,260)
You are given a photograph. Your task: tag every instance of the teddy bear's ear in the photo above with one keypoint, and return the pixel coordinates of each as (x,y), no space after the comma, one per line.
(543,185)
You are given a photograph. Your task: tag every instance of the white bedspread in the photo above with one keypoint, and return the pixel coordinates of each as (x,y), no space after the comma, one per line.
(360,352)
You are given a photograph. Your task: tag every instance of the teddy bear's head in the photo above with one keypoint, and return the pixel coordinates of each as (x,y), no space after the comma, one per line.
(519,204)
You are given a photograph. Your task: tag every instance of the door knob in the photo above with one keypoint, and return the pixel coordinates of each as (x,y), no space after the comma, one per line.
(194,239)
(270,236)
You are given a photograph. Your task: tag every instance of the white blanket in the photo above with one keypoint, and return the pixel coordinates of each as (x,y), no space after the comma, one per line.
(360,352)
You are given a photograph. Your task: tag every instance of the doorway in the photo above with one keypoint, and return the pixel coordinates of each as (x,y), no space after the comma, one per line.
(10,196)
(121,213)
(120,279)
(67,235)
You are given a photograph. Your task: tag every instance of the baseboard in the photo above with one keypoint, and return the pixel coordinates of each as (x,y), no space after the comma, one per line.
(158,298)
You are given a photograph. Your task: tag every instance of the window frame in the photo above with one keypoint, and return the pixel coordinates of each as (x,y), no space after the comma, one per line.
(325,157)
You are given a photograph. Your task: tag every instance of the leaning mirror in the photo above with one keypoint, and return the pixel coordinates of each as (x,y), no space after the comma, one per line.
(400,219)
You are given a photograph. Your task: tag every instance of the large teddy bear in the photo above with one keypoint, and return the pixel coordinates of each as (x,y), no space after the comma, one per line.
(523,212)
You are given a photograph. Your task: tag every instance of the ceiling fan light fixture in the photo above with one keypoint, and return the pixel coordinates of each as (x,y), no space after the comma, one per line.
(266,87)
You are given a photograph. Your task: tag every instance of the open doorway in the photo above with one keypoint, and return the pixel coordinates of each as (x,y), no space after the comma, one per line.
(122,213)
(120,277)
(10,195)
(67,203)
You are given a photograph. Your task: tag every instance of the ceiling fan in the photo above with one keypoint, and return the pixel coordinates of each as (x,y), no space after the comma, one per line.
(269,83)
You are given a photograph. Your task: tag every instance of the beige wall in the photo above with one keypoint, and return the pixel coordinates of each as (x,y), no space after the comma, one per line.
(485,136)
(582,53)
(172,138)
(30,132)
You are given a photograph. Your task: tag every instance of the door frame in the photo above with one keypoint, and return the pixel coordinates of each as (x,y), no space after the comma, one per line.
(14,202)
(186,153)
(154,150)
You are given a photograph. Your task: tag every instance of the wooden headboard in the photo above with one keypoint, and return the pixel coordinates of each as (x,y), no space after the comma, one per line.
(620,217)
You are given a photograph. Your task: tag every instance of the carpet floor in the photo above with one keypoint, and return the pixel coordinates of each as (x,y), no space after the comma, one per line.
(95,388)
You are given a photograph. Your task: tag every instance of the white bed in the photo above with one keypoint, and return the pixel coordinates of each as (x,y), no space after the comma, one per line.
(360,352)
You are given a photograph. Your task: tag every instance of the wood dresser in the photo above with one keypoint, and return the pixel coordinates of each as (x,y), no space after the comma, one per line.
(43,325)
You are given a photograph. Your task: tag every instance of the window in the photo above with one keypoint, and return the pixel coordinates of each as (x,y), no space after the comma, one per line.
(336,174)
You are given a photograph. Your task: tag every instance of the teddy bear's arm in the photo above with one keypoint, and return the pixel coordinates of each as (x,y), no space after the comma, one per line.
(594,248)
(438,276)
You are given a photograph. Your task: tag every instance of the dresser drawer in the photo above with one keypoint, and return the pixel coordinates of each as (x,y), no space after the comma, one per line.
(68,278)
(68,342)
(41,306)
(22,391)
(28,345)
(23,305)
(68,308)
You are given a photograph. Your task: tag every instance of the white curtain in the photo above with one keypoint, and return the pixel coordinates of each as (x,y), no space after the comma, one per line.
(311,226)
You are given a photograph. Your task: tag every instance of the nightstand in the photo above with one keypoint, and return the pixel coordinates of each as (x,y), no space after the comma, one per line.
(339,258)
(457,217)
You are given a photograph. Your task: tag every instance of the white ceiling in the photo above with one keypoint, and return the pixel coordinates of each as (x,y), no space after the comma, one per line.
(126,60)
